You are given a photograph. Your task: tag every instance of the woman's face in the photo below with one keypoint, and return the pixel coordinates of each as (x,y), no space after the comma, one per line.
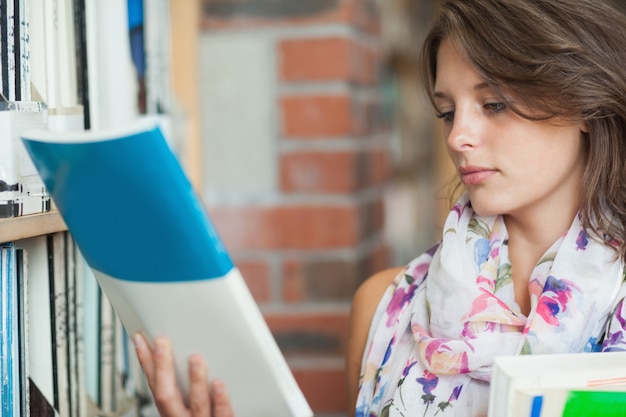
(508,165)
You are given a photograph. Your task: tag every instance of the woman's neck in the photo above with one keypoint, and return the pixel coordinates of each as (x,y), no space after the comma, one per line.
(530,236)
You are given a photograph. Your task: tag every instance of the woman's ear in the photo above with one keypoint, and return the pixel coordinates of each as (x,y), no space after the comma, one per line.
(584,127)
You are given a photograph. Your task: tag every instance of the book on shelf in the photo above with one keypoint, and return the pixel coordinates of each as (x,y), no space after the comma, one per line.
(15,50)
(142,229)
(14,363)
(9,329)
(54,57)
(21,189)
(41,374)
(112,85)
(559,385)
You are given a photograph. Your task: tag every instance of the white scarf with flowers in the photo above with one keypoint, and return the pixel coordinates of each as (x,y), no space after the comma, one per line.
(443,320)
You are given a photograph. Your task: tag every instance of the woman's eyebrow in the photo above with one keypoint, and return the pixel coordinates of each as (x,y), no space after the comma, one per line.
(479,86)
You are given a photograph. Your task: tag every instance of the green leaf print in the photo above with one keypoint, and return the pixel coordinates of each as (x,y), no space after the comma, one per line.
(504,276)
(548,257)
(526,350)
(479,228)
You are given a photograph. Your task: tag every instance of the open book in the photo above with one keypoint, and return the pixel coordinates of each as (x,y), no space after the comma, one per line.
(559,385)
(142,229)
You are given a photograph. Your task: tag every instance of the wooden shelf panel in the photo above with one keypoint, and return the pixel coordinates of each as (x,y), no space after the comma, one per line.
(17,228)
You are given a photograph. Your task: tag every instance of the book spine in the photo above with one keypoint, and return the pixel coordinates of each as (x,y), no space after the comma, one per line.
(40,346)
(10,387)
(21,260)
(22,25)
(106,357)
(8,20)
(70,265)
(59,305)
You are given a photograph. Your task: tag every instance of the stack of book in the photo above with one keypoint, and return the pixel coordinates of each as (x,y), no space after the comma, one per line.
(559,385)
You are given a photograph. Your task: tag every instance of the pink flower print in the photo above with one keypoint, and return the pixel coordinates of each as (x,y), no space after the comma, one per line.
(399,299)
(483,280)
(458,208)
(553,301)
(582,240)
(420,270)
(444,359)
(471,329)
(487,314)
(487,301)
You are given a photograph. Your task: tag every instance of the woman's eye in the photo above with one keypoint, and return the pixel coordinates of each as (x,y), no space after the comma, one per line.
(447,116)
(494,107)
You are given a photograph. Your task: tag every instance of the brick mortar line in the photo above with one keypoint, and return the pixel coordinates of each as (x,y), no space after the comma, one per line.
(319,308)
(277,199)
(288,146)
(275,277)
(296,31)
(307,88)
(281,30)
(314,362)
(281,255)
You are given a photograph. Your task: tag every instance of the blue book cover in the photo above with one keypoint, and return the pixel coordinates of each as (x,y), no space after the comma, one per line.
(10,384)
(144,232)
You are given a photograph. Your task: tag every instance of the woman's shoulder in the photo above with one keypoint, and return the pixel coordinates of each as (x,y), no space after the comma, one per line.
(364,304)
(369,293)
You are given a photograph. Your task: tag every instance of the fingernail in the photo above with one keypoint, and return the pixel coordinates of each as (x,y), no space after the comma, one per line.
(195,364)
(160,345)
(218,387)
(138,341)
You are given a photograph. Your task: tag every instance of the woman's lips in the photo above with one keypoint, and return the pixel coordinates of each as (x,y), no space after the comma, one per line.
(475,175)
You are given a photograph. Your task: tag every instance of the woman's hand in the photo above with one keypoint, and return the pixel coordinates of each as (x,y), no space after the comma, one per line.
(205,400)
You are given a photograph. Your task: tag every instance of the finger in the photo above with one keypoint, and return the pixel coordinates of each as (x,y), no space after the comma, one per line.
(144,354)
(167,396)
(221,401)
(199,399)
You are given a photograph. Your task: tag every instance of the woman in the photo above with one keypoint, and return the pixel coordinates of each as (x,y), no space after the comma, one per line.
(532,94)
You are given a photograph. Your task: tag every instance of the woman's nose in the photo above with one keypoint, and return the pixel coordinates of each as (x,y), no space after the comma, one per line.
(464,131)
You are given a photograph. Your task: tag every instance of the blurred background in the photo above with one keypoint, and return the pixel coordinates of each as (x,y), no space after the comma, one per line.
(301,124)
(316,154)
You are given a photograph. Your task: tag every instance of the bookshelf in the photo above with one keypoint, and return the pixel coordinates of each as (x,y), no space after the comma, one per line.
(17,228)
(65,310)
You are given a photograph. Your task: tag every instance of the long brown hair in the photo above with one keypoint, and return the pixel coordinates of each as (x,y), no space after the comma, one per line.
(560,58)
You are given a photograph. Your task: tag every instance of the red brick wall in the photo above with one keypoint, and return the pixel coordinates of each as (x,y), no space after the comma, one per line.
(304,254)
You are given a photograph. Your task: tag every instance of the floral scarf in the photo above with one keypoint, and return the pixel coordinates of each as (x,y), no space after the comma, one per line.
(452,310)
